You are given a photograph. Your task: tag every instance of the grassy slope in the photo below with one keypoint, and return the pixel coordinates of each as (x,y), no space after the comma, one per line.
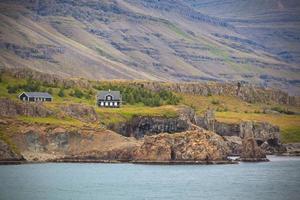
(231,109)
(93,56)
(228,109)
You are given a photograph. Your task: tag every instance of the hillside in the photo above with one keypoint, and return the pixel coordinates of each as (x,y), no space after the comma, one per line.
(152,40)
(74,103)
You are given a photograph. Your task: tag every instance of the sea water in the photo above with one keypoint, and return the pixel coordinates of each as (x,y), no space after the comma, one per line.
(278,179)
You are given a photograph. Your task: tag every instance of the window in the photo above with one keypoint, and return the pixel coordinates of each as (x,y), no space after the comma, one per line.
(102,103)
(106,103)
(116,103)
(111,103)
(108,97)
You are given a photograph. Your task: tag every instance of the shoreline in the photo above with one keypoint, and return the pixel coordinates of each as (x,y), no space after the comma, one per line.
(270,158)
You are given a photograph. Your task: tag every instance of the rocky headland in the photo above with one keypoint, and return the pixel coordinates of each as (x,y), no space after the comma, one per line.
(142,140)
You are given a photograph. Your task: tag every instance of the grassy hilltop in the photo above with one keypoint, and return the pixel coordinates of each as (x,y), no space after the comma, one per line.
(144,102)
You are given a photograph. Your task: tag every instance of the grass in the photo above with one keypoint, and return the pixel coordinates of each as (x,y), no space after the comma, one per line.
(127,112)
(288,124)
(228,109)
(52,121)
(234,110)
(290,134)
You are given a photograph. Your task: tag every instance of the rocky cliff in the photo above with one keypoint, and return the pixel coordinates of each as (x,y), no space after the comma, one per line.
(51,143)
(7,155)
(246,92)
(138,127)
(197,145)
(266,135)
(251,152)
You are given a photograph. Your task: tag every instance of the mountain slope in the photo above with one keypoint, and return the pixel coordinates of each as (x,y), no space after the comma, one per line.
(134,39)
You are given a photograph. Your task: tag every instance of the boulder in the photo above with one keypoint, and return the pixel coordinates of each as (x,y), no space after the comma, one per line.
(196,145)
(251,152)
(292,149)
(235,144)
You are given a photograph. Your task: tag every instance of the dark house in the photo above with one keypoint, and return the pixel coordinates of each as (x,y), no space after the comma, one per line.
(35,96)
(112,99)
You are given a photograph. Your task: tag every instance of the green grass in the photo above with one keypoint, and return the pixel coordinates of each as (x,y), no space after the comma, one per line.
(288,124)
(127,112)
(66,121)
(233,110)
(290,135)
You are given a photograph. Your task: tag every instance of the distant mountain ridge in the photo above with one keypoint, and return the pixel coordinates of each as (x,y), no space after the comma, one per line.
(181,40)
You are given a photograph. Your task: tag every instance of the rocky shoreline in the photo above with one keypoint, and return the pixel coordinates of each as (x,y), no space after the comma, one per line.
(185,139)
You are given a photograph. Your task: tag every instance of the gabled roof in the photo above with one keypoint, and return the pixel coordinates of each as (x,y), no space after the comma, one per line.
(37,94)
(116,95)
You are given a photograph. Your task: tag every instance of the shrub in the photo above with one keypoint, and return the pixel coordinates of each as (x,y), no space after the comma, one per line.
(61,92)
(12,89)
(139,94)
(50,91)
(77,93)
(215,102)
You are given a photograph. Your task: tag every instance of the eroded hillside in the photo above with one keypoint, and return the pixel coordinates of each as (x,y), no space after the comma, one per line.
(132,39)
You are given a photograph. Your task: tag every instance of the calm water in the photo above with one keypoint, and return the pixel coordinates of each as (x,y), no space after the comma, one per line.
(279,179)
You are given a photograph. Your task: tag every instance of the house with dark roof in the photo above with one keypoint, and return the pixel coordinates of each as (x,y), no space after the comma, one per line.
(111,99)
(35,96)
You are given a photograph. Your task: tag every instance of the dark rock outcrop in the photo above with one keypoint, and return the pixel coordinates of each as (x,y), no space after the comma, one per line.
(251,152)
(10,108)
(235,145)
(263,132)
(292,149)
(138,127)
(197,145)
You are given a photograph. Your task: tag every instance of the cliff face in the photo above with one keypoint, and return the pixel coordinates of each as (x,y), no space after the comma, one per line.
(49,143)
(250,150)
(265,134)
(7,154)
(42,143)
(197,145)
(138,127)
(246,92)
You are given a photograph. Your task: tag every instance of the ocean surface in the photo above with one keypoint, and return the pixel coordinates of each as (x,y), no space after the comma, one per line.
(278,179)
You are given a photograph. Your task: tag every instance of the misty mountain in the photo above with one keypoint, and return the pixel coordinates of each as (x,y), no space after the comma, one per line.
(170,40)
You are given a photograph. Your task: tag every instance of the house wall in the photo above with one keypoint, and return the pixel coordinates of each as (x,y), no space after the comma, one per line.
(112,104)
(23,97)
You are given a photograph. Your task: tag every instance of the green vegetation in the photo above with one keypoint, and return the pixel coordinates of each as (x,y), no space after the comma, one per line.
(125,113)
(290,135)
(65,121)
(137,94)
(140,101)
(61,92)
(233,110)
